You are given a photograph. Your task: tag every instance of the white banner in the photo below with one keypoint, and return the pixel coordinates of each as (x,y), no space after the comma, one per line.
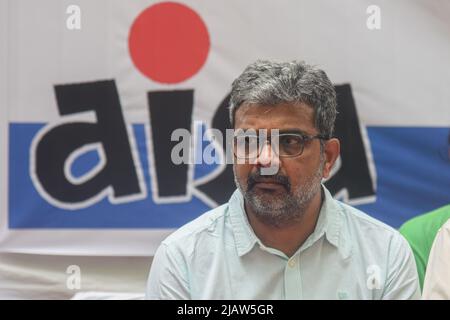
(90,91)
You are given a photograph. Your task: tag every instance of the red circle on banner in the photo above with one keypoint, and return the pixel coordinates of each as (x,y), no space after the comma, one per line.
(168,42)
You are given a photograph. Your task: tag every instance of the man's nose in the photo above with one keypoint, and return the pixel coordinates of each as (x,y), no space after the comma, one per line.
(268,160)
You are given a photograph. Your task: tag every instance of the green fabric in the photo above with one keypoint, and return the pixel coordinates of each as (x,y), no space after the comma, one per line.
(420,233)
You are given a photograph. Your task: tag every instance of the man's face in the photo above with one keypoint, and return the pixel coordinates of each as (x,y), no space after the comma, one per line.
(284,195)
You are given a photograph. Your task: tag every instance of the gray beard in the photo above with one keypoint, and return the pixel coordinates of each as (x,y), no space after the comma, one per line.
(280,210)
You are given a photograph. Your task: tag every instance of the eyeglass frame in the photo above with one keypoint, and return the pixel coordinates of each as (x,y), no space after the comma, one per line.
(305,138)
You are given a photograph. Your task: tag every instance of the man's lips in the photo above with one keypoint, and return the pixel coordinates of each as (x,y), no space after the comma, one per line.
(269,185)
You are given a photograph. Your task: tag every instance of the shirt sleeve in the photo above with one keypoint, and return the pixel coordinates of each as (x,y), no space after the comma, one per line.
(167,279)
(402,281)
(437,277)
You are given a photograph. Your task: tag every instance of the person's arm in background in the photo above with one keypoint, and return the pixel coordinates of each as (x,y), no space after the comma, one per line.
(168,276)
(415,232)
(437,277)
(420,232)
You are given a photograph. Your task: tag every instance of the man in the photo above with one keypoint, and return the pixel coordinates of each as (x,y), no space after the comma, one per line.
(282,235)
(420,232)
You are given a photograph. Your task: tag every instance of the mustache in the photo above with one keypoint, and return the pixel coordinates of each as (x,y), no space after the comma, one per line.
(256,177)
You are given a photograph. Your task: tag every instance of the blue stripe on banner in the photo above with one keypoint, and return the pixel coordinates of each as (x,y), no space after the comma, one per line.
(27,209)
(413,172)
(412,165)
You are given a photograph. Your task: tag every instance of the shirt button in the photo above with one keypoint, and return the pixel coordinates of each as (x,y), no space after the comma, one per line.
(291,263)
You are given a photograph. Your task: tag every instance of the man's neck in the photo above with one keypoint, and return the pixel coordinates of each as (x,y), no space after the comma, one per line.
(290,236)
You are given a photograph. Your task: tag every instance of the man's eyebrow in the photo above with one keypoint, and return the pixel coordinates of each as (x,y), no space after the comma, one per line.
(295,131)
(287,130)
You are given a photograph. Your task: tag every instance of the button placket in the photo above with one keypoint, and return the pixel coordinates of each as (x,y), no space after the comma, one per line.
(292,279)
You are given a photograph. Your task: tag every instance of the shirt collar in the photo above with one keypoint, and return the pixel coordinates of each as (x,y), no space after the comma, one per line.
(336,229)
(330,223)
(244,236)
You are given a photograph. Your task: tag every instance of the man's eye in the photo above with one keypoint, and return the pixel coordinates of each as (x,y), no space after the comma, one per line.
(290,140)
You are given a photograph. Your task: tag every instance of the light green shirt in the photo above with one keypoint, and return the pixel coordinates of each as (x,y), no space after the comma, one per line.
(349,256)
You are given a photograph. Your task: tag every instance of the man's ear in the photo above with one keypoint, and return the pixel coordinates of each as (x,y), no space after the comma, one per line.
(332,149)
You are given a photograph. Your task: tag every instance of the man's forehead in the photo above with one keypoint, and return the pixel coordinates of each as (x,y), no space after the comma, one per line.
(280,115)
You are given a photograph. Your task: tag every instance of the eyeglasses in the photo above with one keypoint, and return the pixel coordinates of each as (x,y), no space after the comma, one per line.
(285,145)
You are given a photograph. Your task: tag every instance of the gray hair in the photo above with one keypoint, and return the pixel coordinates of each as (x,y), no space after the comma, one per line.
(270,83)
